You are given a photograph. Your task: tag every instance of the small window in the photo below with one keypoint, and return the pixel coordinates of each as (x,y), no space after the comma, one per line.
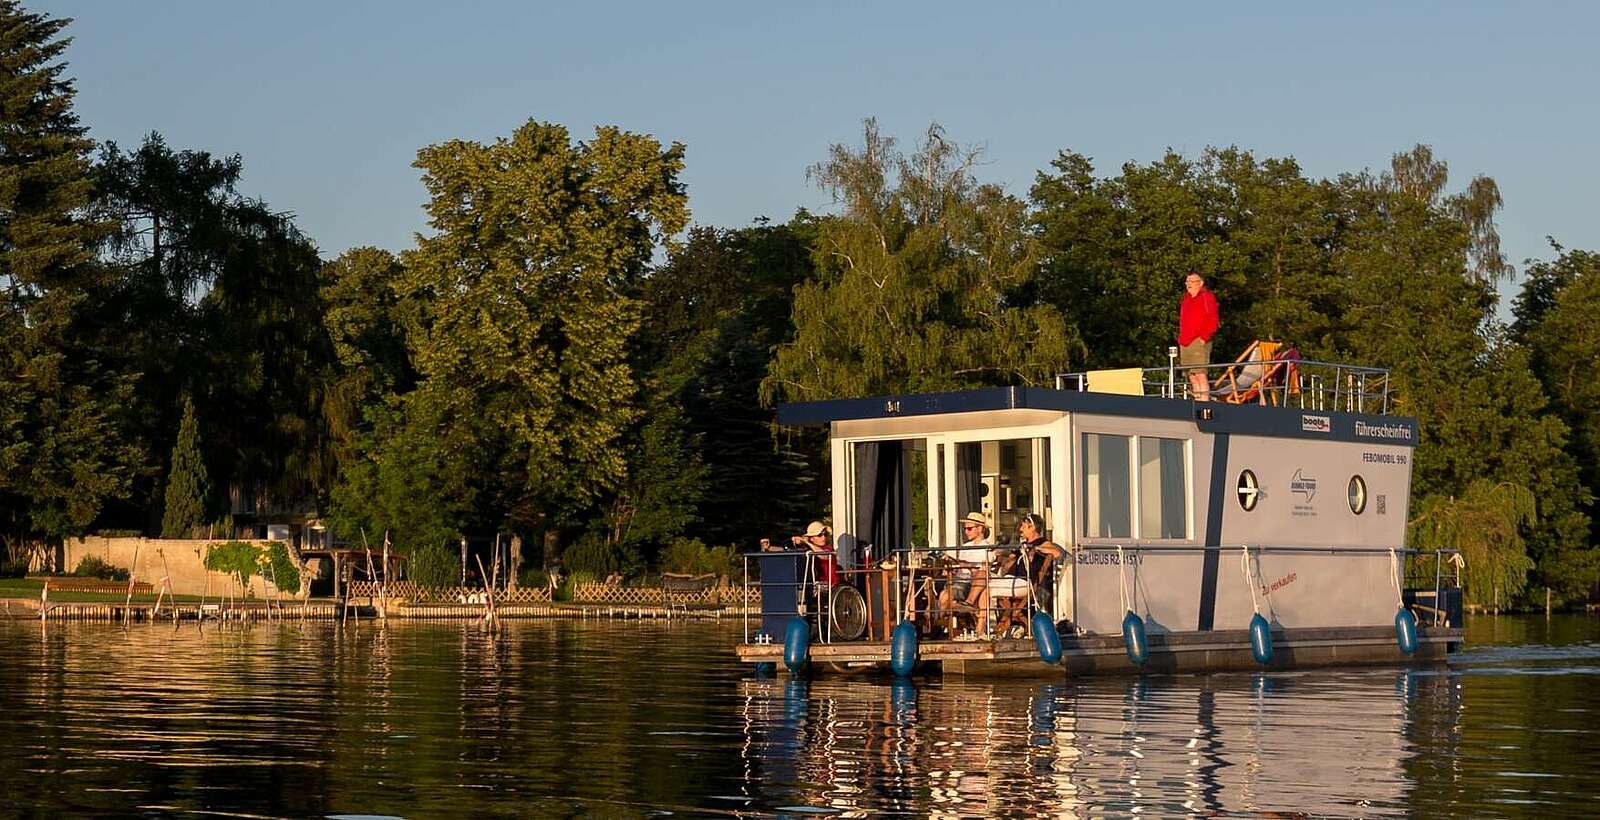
(1249,490)
(1357,494)
(1163,488)
(1107,487)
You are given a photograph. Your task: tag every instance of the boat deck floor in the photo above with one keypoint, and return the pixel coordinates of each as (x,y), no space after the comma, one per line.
(1217,650)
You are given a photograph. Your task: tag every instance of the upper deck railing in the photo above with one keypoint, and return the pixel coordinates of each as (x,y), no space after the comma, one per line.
(1283,382)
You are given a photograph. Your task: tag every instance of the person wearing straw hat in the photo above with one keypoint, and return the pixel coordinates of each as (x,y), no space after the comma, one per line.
(971,577)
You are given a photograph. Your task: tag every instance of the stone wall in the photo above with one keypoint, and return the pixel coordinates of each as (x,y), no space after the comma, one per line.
(181,560)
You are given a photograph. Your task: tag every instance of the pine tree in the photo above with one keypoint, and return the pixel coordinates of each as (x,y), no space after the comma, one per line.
(62,449)
(187,483)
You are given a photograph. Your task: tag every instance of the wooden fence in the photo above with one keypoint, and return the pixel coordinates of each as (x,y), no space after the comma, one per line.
(581,594)
(410,591)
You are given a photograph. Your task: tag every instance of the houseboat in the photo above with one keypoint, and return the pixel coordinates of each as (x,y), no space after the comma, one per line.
(1264,526)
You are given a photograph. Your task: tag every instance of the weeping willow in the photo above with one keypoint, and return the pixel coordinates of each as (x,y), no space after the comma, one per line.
(1485,523)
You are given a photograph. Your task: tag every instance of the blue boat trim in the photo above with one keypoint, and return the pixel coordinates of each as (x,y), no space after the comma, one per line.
(1212,559)
(1209,417)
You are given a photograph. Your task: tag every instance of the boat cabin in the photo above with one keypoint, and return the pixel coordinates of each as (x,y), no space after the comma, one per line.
(1284,495)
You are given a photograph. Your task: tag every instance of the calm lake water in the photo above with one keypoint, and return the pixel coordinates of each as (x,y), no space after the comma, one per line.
(652,719)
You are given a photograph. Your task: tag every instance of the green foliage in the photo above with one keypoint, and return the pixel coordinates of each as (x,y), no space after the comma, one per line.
(592,555)
(533,578)
(241,559)
(435,565)
(64,448)
(1116,250)
(522,358)
(572,582)
(717,309)
(217,299)
(92,566)
(407,483)
(1389,269)
(1486,524)
(1555,322)
(13,568)
(187,483)
(284,574)
(692,556)
(922,282)
(366,322)
(657,499)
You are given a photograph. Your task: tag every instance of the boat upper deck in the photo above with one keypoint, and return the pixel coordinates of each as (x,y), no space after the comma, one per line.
(1297,399)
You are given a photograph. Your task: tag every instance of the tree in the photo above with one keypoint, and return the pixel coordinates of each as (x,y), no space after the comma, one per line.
(187,484)
(1116,250)
(1389,269)
(208,280)
(717,309)
(1486,523)
(64,450)
(524,391)
(1555,321)
(921,282)
(1421,299)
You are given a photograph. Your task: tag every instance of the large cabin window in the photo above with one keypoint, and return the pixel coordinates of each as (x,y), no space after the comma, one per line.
(1163,488)
(1107,487)
(1003,479)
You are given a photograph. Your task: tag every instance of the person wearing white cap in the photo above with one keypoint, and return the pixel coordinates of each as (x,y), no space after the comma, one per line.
(818,538)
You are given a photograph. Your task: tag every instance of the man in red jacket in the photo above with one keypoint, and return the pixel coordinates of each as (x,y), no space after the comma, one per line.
(1197,325)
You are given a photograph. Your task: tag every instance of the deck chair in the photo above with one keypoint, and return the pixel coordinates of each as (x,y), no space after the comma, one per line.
(1264,373)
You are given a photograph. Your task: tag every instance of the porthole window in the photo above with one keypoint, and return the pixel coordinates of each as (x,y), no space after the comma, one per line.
(1249,490)
(1357,494)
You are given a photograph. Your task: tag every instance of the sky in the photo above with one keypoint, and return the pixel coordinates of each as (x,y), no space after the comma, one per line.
(328,102)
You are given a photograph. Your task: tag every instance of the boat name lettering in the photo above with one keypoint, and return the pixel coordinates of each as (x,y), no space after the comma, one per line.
(1366,430)
(1108,557)
(1316,424)
(1385,458)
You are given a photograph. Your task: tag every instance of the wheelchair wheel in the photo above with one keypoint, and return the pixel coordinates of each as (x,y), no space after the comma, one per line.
(847,614)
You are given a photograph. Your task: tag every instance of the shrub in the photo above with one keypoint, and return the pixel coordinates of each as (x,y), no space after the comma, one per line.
(91,566)
(237,558)
(120,533)
(285,575)
(569,583)
(435,565)
(591,555)
(533,577)
(16,568)
(692,556)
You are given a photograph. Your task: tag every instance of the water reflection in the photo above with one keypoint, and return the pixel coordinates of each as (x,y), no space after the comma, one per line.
(585,719)
(1247,743)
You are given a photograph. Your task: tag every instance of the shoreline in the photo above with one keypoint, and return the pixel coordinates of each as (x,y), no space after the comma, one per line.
(19,609)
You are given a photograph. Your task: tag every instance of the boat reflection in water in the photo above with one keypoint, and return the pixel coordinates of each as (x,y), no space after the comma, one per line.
(1312,743)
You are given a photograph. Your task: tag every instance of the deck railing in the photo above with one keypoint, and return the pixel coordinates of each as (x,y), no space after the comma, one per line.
(920,573)
(1301,383)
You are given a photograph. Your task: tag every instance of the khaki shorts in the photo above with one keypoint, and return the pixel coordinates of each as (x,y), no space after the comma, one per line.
(1195,353)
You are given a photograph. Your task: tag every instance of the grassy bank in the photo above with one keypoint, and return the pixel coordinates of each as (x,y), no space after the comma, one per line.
(32,587)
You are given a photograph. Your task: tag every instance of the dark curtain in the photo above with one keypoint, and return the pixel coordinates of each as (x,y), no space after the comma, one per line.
(969,483)
(883,505)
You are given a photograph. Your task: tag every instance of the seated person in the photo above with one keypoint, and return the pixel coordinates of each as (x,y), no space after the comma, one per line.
(818,538)
(1020,572)
(971,577)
